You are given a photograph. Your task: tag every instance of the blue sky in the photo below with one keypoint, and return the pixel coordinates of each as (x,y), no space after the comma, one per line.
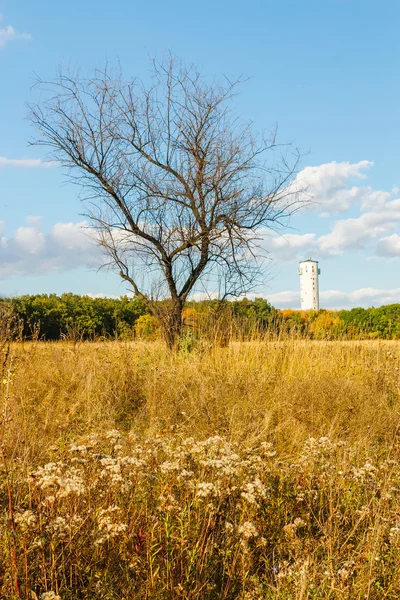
(327,72)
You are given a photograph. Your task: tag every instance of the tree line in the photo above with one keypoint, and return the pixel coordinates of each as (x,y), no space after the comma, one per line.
(74,317)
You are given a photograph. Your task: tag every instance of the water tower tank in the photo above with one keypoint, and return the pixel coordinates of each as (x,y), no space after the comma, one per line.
(309,288)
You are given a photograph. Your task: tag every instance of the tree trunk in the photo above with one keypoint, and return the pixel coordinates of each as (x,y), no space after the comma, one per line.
(171,323)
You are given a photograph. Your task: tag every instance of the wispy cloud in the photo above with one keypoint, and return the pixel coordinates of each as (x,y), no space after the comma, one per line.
(330,299)
(9,34)
(338,299)
(112,296)
(26,163)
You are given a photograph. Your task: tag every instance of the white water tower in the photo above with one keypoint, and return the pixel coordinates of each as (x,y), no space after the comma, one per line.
(309,288)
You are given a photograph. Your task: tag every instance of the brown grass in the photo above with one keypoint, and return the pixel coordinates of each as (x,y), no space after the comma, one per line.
(269,404)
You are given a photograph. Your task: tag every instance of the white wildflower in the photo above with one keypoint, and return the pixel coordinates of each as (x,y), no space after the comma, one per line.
(292,528)
(168,502)
(79,449)
(62,527)
(79,460)
(62,479)
(49,500)
(248,530)
(254,491)
(113,435)
(112,469)
(205,489)
(108,527)
(394,531)
(167,466)
(184,475)
(71,484)
(367,471)
(131,461)
(267,450)
(262,541)
(25,519)
(59,527)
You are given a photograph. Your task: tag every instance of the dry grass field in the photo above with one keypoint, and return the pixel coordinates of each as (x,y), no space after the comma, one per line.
(255,471)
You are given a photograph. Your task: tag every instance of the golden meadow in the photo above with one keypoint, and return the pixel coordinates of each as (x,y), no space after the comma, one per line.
(258,470)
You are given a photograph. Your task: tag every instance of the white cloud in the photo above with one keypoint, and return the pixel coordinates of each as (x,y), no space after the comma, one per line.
(357,233)
(364,297)
(389,246)
(327,186)
(337,299)
(329,299)
(112,296)
(9,34)
(287,247)
(70,236)
(30,239)
(204,295)
(333,175)
(26,163)
(380,216)
(30,251)
(289,299)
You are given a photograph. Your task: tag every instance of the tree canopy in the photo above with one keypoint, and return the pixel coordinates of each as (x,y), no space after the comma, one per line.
(178,190)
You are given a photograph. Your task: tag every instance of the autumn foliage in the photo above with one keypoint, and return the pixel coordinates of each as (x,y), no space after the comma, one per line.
(69,316)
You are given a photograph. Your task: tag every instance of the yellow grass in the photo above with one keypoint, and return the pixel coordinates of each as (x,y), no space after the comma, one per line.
(260,470)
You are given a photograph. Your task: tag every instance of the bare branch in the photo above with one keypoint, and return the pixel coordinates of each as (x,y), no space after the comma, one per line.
(177,189)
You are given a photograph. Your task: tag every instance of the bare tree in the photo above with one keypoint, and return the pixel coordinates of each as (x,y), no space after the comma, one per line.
(177,189)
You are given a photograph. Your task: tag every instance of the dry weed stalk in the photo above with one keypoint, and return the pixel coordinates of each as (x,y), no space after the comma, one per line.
(260,470)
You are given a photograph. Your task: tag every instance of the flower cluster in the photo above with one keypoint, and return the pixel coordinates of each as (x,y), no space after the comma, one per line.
(148,503)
